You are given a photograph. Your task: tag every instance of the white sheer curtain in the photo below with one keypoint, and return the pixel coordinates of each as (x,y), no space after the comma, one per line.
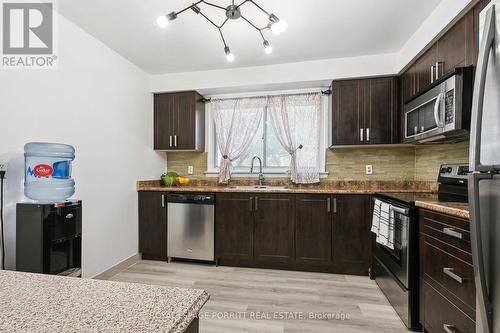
(296,121)
(236,123)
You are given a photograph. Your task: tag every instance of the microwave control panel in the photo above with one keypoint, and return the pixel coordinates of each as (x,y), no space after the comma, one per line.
(449,114)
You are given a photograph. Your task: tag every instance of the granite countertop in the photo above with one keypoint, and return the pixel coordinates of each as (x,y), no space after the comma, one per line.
(457,209)
(330,187)
(49,303)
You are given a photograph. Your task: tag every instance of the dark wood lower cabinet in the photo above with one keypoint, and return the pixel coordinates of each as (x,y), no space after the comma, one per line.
(234,227)
(313,227)
(447,291)
(153,225)
(308,232)
(351,234)
(274,228)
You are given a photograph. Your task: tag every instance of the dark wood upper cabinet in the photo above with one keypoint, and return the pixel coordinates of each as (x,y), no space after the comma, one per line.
(179,121)
(234,226)
(274,227)
(346,112)
(381,110)
(351,234)
(313,236)
(365,111)
(153,225)
(425,69)
(456,47)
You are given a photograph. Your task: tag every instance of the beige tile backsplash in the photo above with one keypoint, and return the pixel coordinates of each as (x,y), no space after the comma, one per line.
(419,163)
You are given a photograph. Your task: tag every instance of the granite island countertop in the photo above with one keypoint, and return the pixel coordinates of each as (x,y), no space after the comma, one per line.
(326,187)
(49,303)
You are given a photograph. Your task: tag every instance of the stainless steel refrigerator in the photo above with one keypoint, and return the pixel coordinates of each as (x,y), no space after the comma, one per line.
(484,180)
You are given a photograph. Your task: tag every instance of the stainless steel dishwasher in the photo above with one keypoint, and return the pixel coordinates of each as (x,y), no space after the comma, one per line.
(190,226)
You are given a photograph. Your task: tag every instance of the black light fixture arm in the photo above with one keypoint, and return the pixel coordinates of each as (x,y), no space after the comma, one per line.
(188,7)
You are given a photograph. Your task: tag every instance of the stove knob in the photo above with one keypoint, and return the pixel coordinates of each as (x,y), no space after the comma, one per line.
(443,170)
(449,169)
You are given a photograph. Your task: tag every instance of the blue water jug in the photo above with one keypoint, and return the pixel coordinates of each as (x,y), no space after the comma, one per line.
(47,176)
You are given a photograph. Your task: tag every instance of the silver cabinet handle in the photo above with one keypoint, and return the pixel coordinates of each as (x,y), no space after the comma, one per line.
(335,205)
(422,129)
(447,328)
(175,140)
(368,134)
(487,42)
(170,141)
(163,200)
(361,134)
(256,203)
(250,205)
(328,205)
(437,68)
(451,232)
(432,74)
(449,271)
(69,216)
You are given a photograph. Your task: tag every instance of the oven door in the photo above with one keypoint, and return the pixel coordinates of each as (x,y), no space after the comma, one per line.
(397,259)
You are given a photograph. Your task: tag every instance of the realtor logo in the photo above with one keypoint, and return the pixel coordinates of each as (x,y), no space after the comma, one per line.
(27,34)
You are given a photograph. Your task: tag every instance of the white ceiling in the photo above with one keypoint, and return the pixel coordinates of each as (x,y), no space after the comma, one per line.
(318,29)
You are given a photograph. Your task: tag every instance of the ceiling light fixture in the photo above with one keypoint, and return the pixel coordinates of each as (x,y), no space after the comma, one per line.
(233,12)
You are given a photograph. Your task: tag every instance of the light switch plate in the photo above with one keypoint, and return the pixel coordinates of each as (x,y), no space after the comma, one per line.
(369,169)
(190,170)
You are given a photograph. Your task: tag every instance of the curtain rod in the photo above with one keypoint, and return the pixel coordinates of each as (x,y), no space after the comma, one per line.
(323,92)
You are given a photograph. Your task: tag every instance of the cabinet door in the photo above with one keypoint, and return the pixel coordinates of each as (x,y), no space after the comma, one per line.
(346,112)
(313,236)
(456,47)
(234,226)
(423,68)
(351,234)
(380,105)
(153,225)
(408,83)
(274,227)
(164,106)
(184,120)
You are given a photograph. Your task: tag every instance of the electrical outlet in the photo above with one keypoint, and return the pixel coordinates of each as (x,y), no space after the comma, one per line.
(190,170)
(369,169)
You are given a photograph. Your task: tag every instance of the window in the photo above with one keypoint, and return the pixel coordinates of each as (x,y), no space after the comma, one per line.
(265,143)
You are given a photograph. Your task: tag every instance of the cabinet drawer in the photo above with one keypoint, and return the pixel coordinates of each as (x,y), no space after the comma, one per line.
(451,230)
(449,271)
(440,314)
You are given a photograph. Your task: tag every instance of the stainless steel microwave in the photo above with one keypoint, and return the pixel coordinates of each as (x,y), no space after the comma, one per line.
(442,112)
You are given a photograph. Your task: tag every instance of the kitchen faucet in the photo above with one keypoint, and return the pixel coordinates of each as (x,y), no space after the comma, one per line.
(261,175)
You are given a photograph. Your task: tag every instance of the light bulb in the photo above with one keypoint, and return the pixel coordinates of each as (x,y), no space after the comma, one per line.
(229,55)
(162,21)
(279,27)
(267,47)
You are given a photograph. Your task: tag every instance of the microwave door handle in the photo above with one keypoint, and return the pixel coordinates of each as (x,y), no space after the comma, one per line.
(437,107)
(483,301)
(487,40)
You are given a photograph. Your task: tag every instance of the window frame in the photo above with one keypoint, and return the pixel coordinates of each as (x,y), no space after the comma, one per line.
(211,144)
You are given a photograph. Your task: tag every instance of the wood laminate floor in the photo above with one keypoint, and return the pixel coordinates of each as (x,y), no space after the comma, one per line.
(275,301)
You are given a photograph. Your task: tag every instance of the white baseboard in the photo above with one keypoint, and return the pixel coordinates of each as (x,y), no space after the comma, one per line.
(107,274)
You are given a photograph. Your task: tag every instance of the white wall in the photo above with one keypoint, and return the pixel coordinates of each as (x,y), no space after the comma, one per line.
(100,103)
(283,76)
